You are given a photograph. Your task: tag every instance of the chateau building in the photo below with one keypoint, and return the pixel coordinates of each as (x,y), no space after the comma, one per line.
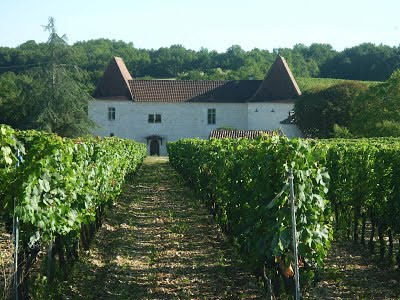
(159,111)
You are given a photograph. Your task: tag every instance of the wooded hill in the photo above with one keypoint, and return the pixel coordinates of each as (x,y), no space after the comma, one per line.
(363,62)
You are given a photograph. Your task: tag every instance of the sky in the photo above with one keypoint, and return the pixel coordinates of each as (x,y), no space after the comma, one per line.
(212,24)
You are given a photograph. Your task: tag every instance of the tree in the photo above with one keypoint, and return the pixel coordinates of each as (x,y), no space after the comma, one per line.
(58,103)
(13,109)
(377,111)
(363,62)
(317,111)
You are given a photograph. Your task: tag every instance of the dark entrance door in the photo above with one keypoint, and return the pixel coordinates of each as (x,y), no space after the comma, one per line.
(154,148)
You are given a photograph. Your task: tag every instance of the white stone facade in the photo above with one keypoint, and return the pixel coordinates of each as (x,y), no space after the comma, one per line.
(269,115)
(185,119)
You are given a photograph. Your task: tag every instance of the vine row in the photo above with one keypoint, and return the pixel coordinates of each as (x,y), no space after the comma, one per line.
(241,178)
(344,189)
(60,190)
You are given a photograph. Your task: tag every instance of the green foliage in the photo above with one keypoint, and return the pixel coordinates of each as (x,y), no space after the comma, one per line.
(61,182)
(242,177)
(365,175)
(13,106)
(49,96)
(341,132)
(58,104)
(377,111)
(364,62)
(306,84)
(317,111)
(8,159)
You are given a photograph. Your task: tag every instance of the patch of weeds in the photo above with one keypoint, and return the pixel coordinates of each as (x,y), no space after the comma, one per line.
(333,274)
(152,277)
(153,256)
(221,258)
(179,228)
(171,215)
(184,280)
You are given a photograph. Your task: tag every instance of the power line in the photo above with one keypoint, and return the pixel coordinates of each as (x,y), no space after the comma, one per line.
(21,66)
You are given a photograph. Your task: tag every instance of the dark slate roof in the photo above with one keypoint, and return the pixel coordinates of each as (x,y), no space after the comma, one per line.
(279,84)
(114,82)
(289,120)
(193,90)
(234,134)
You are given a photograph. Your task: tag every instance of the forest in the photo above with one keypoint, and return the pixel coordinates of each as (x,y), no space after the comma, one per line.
(363,62)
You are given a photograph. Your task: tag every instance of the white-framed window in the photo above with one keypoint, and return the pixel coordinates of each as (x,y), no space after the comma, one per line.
(211,116)
(111,113)
(154,118)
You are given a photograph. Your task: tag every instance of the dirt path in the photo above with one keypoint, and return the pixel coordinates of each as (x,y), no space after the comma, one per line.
(159,242)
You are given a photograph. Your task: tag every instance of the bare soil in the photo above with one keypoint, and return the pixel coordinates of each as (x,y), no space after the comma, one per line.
(160,242)
(350,272)
(6,261)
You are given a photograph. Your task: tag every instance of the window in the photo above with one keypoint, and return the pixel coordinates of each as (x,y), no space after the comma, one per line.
(211,116)
(154,118)
(151,118)
(111,113)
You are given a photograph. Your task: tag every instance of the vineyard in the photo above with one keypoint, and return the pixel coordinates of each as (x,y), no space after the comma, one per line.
(309,83)
(57,194)
(55,191)
(345,189)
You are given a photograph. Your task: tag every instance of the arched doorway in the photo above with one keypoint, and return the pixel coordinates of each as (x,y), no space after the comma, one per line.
(154,148)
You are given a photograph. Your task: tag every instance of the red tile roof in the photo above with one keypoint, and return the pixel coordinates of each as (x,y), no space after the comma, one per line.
(193,90)
(234,134)
(171,90)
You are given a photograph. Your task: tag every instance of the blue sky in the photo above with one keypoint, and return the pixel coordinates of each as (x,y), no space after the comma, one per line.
(213,24)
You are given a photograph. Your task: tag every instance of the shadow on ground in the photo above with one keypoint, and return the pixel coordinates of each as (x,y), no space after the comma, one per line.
(352,273)
(159,242)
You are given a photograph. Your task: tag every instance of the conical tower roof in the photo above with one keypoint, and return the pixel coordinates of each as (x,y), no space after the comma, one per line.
(279,84)
(115,81)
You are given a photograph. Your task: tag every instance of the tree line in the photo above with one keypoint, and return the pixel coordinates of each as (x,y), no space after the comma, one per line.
(363,62)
